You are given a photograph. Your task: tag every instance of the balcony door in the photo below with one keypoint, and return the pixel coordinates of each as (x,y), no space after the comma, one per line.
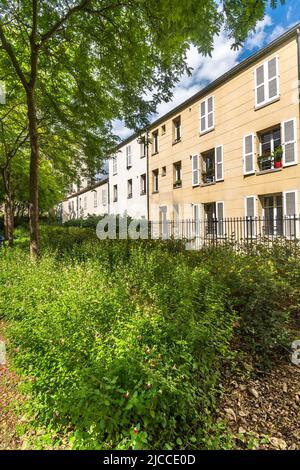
(273,215)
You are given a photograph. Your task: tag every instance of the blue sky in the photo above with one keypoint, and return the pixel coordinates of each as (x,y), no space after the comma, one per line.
(206,69)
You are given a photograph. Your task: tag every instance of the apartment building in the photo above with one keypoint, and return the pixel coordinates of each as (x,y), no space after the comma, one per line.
(91,200)
(232,150)
(128,179)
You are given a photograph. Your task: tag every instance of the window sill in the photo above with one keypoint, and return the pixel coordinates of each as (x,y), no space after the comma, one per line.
(206,132)
(267,103)
(196,185)
(177,187)
(155,153)
(155,192)
(143,156)
(143,194)
(129,197)
(176,141)
(203,185)
(272,170)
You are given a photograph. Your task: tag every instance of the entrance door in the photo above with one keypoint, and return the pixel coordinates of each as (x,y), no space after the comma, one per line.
(273,215)
(163,224)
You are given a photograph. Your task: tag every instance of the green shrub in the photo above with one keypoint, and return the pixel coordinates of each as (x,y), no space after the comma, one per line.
(124,342)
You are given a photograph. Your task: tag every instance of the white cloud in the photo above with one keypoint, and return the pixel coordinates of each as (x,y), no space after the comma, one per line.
(289,13)
(258,37)
(120,130)
(277,31)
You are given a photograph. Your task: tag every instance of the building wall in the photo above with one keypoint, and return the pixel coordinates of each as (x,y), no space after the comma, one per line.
(83,204)
(136,206)
(235,117)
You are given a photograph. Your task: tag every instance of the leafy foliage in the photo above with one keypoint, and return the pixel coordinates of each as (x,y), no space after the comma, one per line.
(123,344)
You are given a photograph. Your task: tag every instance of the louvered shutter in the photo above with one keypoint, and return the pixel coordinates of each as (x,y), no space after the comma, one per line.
(273,82)
(290,212)
(289,142)
(260,85)
(219,163)
(249,154)
(203,116)
(210,113)
(220,218)
(195,170)
(250,225)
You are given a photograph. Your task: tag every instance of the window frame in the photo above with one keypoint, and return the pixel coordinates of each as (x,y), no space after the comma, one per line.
(206,114)
(266,83)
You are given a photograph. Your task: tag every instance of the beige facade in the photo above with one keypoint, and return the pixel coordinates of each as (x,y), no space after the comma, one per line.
(204,158)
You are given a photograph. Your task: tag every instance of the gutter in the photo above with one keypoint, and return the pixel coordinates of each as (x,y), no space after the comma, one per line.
(220,80)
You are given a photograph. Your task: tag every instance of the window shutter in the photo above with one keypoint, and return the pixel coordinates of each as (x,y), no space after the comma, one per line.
(290,212)
(250,209)
(128,155)
(195,170)
(273,79)
(289,142)
(249,154)
(210,112)
(220,218)
(260,85)
(203,116)
(219,163)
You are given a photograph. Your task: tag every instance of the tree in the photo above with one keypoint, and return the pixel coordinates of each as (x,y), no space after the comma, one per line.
(112,52)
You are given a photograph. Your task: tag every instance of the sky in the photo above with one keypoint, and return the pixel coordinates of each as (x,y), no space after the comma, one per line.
(207,69)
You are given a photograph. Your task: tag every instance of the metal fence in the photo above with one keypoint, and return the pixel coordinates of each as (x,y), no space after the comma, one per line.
(242,230)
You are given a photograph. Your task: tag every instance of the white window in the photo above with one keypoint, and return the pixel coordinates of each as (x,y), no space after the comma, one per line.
(289,137)
(104,197)
(249,167)
(219,172)
(250,212)
(143,185)
(115,193)
(195,170)
(115,168)
(128,156)
(85,203)
(129,189)
(177,129)
(143,147)
(267,82)
(290,207)
(155,142)
(207,114)
(95,199)
(155,181)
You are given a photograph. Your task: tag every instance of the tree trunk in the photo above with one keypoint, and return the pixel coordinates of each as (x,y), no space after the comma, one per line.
(34,176)
(8,208)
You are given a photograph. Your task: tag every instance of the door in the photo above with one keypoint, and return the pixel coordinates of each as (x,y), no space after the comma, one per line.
(273,215)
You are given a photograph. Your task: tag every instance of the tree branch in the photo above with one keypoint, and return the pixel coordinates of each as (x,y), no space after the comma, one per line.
(11,53)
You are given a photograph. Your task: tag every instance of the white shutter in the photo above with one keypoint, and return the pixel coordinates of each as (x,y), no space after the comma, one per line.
(249,167)
(273,78)
(289,142)
(207,114)
(195,170)
(203,116)
(128,156)
(219,163)
(210,112)
(250,211)
(290,207)
(104,197)
(260,90)
(220,218)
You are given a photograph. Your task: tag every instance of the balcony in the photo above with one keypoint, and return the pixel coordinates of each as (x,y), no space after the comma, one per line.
(270,161)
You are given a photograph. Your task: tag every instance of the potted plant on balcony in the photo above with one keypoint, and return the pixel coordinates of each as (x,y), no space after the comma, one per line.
(178,184)
(277,154)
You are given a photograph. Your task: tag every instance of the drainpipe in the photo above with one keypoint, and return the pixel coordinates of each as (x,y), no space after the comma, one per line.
(147,173)
(298,49)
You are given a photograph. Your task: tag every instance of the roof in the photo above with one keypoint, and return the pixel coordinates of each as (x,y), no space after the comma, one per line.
(220,80)
(88,188)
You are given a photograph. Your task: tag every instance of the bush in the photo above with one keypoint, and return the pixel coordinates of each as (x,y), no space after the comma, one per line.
(124,343)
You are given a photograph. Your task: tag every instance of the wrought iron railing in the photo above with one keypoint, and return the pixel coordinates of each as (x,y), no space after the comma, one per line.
(241,230)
